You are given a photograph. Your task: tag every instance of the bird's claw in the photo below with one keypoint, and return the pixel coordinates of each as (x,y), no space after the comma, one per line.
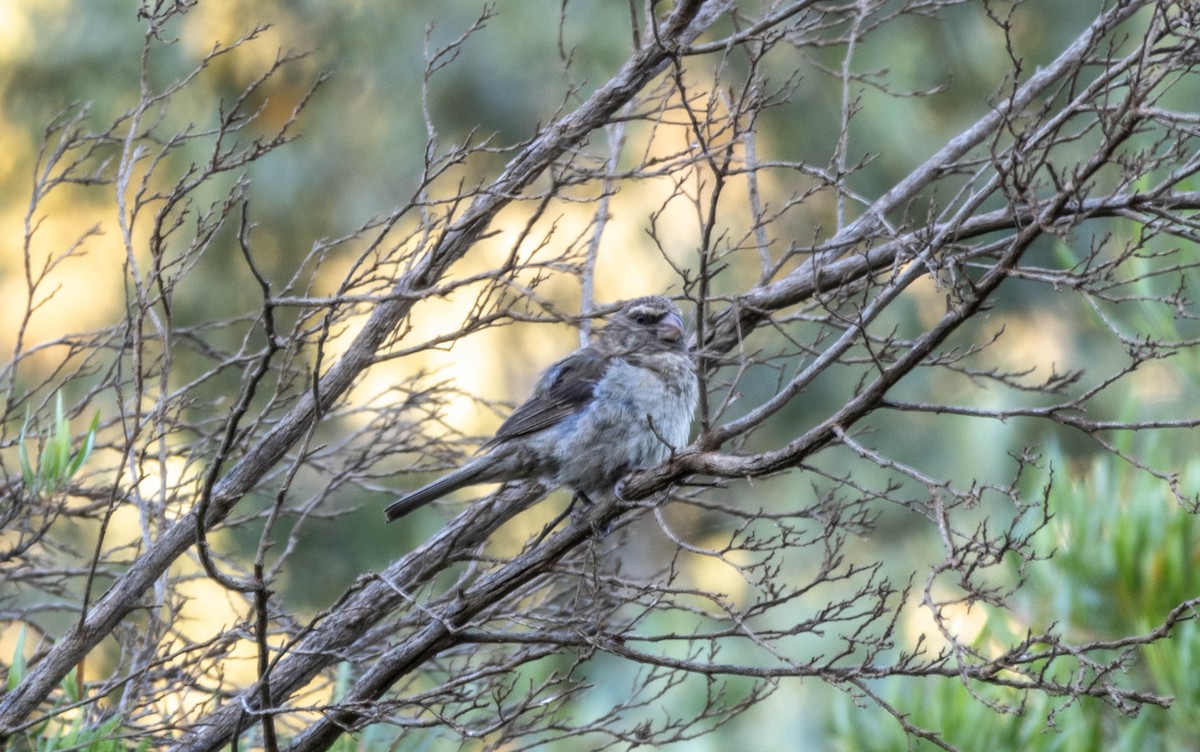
(619,491)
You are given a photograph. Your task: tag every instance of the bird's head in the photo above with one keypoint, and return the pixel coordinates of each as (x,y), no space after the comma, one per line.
(650,324)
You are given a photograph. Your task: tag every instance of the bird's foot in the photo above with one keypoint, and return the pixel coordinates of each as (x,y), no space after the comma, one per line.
(575,510)
(619,491)
(579,505)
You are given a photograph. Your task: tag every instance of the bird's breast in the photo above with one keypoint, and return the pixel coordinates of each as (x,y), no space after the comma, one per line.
(636,417)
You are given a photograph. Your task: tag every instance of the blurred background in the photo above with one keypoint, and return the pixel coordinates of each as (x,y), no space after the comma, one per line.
(1124,546)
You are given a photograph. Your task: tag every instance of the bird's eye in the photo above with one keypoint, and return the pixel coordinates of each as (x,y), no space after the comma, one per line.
(641,318)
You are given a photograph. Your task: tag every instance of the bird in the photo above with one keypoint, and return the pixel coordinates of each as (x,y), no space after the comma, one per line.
(622,403)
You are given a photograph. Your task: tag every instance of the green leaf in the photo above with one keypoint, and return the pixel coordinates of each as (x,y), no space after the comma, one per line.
(56,464)
(89,442)
(16,671)
(69,686)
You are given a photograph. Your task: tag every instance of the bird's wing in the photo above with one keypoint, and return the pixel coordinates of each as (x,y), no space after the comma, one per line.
(561,391)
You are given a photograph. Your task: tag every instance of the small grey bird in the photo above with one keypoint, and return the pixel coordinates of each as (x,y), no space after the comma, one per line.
(621,404)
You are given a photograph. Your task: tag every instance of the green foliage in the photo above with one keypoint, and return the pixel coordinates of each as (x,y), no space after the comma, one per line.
(17,670)
(1126,551)
(61,732)
(55,464)
(1124,554)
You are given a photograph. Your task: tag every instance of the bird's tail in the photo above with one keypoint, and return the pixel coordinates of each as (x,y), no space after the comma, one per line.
(464,476)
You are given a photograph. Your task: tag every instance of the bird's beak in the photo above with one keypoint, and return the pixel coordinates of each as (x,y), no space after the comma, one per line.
(670,329)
